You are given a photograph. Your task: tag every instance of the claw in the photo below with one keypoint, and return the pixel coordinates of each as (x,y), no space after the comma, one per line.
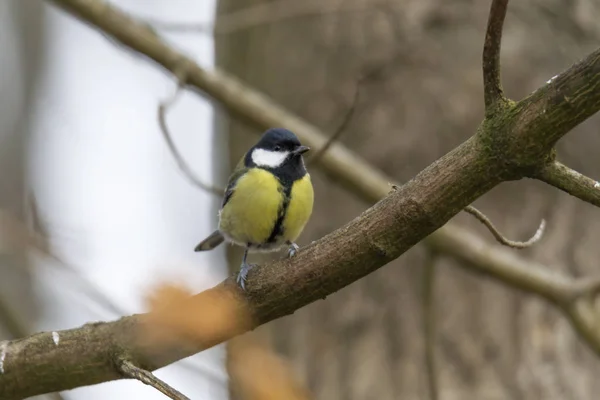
(293,250)
(243,274)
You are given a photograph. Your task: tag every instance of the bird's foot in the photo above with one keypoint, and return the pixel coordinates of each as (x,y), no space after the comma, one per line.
(243,274)
(293,249)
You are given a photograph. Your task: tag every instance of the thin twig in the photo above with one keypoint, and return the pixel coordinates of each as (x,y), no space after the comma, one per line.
(373,71)
(491,55)
(500,237)
(183,167)
(129,370)
(314,160)
(428,318)
(564,178)
(261,14)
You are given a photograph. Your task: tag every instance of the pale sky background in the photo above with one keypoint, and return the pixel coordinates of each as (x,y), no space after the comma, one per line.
(117,206)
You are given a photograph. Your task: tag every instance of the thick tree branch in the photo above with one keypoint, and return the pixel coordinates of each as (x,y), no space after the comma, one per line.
(492,87)
(570,181)
(557,107)
(505,147)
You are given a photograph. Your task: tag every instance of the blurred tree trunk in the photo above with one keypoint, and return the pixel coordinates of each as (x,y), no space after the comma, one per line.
(20,29)
(365,342)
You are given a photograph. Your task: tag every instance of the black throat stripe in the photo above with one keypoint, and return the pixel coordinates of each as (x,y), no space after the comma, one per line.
(286,189)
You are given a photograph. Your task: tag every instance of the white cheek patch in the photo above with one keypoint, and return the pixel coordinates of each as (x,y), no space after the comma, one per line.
(267,158)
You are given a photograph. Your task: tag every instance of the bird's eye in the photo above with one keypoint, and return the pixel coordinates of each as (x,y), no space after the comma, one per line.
(277,148)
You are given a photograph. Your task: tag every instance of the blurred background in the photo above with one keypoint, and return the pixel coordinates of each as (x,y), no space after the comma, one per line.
(82,161)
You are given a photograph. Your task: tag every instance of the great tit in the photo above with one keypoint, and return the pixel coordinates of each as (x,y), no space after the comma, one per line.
(268,199)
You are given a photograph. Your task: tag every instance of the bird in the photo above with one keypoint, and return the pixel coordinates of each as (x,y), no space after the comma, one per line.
(268,199)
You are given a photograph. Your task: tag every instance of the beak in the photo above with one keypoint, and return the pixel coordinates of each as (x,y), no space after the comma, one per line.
(300,150)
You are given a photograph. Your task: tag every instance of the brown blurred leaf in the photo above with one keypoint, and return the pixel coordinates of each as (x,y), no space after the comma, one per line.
(209,318)
(257,373)
(204,319)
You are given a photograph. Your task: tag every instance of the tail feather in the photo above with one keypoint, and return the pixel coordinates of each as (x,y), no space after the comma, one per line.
(212,241)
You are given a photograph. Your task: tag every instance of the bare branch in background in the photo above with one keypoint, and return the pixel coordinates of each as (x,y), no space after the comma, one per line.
(131,371)
(491,55)
(500,237)
(261,14)
(428,317)
(564,178)
(183,167)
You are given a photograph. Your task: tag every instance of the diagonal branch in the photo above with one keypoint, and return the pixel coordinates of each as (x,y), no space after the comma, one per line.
(491,55)
(564,178)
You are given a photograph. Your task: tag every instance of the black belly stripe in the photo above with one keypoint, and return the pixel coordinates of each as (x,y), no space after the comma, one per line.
(278,227)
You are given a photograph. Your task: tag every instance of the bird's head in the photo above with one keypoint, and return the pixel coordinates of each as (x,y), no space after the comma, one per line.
(278,148)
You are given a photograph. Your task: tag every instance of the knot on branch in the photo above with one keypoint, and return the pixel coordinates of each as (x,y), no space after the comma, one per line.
(507,144)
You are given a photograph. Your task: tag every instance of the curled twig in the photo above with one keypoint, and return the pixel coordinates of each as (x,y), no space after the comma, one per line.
(183,167)
(129,370)
(491,54)
(500,237)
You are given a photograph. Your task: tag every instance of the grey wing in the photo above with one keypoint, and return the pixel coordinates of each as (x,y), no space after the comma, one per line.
(231,185)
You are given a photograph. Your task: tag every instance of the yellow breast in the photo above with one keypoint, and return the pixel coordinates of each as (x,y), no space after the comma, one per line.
(299,209)
(250,215)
